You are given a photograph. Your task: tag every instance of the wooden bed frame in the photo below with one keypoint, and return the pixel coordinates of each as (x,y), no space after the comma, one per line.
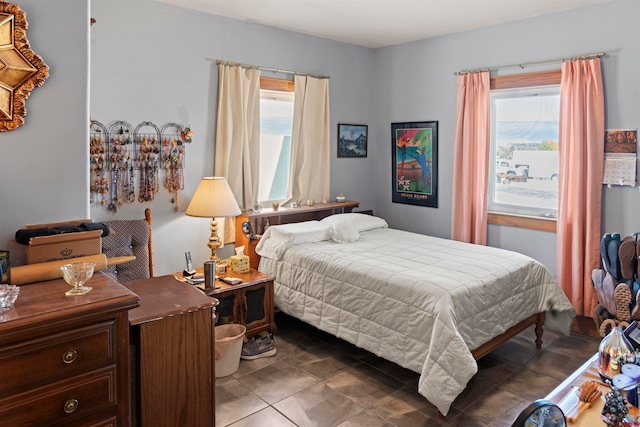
(251,224)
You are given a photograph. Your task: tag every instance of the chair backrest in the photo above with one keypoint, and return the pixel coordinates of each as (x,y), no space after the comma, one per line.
(130,237)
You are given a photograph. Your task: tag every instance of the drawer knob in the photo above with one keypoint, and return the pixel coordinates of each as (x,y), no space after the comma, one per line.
(70,405)
(69,356)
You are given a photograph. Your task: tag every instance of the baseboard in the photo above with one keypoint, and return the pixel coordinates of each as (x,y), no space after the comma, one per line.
(585,325)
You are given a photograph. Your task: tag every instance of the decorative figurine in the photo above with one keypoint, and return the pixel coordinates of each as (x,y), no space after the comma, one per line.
(615,408)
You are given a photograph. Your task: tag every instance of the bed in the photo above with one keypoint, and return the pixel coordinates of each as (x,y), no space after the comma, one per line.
(428,304)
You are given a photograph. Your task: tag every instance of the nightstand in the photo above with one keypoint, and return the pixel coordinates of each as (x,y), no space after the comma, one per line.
(249,303)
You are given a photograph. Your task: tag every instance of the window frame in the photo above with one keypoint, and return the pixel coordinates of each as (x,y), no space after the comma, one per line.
(515,81)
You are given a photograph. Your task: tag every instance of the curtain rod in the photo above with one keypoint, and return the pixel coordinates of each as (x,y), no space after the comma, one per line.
(525,64)
(275,70)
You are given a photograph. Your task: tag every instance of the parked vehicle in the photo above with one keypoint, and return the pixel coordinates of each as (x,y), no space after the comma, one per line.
(507,170)
(542,164)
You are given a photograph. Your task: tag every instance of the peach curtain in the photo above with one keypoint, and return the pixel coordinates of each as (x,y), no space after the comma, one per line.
(310,141)
(237,149)
(580,183)
(471,159)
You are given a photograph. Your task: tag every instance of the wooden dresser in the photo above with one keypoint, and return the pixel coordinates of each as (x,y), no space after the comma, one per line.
(173,361)
(64,360)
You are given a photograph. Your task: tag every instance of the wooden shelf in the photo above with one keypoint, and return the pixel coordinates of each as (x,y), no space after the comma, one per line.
(284,215)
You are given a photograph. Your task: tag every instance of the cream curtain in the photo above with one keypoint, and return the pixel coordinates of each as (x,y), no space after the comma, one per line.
(471,159)
(237,152)
(580,182)
(310,138)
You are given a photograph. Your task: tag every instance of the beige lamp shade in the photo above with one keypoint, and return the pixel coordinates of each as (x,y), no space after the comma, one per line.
(213,199)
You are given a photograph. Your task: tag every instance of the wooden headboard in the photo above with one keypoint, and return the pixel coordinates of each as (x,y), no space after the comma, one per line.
(284,215)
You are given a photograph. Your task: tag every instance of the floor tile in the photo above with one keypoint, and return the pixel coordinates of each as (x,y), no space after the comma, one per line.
(316,379)
(277,381)
(267,417)
(575,346)
(248,366)
(499,404)
(365,418)
(396,371)
(405,407)
(556,365)
(529,384)
(364,384)
(318,406)
(235,401)
(322,361)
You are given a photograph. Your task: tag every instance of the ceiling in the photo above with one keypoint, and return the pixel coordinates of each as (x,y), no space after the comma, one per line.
(379,23)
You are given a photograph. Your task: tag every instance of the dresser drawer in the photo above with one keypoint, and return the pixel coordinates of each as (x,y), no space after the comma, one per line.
(56,357)
(63,402)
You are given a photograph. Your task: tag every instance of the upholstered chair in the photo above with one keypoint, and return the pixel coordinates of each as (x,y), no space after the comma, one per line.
(130,237)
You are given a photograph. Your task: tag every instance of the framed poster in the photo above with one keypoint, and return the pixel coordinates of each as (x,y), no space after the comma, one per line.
(352,140)
(4,267)
(415,163)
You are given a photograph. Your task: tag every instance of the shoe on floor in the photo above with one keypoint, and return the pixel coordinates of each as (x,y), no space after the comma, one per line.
(614,261)
(597,277)
(638,260)
(258,347)
(608,294)
(635,312)
(604,252)
(627,258)
(623,302)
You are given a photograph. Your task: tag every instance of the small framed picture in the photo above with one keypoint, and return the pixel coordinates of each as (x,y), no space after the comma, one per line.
(352,140)
(4,266)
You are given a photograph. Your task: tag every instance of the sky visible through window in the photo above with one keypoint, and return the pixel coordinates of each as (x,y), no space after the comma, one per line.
(276,121)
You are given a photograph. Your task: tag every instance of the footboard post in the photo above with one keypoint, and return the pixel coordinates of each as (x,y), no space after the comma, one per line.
(539,329)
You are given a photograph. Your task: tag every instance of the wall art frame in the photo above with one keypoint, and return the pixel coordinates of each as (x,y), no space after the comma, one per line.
(352,140)
(415,163)
(22,69)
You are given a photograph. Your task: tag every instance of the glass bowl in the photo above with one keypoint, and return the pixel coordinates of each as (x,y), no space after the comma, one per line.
(77,274)
(8,296)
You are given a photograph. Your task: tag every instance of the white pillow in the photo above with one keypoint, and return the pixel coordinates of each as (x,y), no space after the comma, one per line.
(302,232)
(357,221)
(278,238)
(343,233)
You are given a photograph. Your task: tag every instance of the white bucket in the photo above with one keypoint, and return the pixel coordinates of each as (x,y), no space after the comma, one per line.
(228,347)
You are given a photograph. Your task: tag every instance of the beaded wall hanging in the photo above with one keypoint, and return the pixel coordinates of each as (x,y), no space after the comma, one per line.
(124,160)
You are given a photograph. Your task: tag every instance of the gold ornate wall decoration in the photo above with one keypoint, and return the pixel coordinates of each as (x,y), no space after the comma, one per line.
(21,69)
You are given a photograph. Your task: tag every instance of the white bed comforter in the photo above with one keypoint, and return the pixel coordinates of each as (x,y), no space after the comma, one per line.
(419,301)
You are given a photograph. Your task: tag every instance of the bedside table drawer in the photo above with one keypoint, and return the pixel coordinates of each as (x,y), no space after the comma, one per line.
(64,401)
(56,357)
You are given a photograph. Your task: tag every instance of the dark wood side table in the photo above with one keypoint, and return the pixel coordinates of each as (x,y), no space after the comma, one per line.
(249,303)
(172,339)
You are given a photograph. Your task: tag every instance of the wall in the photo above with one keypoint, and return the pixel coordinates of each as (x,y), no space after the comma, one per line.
(416,81)
(43,172)
(156,62)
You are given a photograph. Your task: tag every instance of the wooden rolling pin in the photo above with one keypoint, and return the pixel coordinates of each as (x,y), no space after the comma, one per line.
(51,270)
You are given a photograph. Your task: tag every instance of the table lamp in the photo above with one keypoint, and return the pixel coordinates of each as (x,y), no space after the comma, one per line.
(213,199)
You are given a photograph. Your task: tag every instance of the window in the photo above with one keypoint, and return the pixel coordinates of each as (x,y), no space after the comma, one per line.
(276,121)
(523,171)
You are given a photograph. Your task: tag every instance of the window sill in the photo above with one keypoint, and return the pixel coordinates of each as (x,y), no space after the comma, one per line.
(534,223)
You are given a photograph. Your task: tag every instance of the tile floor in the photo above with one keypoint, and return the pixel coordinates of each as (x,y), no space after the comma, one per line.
(316,379)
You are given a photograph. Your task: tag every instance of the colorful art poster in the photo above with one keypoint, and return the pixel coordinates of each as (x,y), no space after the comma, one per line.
(415,163)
